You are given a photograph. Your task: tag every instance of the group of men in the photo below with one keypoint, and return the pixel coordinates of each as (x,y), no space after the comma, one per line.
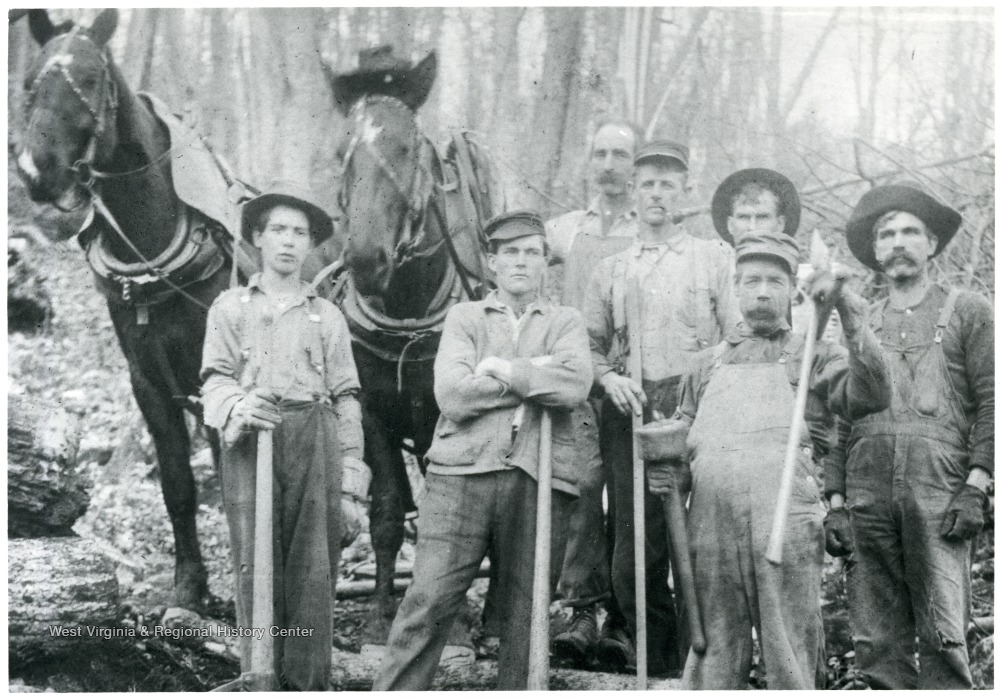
(905,470)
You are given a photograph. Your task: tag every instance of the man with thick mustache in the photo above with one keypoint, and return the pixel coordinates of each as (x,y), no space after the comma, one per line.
(910,499)
(686,305)
(580,240)
(738,400)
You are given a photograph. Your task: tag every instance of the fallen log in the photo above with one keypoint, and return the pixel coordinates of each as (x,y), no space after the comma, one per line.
(353,672)
(46,491)
(59,592)
(29,306)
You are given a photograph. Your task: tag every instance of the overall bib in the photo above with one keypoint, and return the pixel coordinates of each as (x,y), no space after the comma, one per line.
(738,443)
(903,466)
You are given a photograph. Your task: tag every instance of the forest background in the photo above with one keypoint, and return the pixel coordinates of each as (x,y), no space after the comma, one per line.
(838,99)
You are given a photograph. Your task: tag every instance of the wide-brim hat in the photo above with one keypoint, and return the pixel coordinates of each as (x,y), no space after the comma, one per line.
(380,72)
(722,201)
(288,193)
(942,220)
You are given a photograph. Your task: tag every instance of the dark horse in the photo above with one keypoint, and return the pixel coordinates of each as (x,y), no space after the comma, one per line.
(160,258)
(412,250)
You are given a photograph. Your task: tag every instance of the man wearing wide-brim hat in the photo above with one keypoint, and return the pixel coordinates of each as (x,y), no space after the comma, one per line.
(502,361)
(755,200)
(916,473)
(277,357)
(738,400)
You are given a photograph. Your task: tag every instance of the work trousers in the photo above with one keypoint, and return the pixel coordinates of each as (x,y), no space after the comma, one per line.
(666,641)
(461,517)
(905,579)
(307,536)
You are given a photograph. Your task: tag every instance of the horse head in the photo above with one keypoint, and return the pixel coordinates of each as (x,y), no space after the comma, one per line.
(70,110)
(386,182)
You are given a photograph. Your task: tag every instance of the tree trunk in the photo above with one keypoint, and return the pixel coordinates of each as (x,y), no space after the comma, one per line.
(46,493)
(562,57)
(352,672)
(63,583)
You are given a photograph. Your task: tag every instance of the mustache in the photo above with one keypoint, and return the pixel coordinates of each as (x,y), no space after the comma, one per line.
(899,257)
(761,311)
(609,178)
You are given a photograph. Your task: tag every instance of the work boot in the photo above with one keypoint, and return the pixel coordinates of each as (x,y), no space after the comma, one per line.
(580,638)
(615,649)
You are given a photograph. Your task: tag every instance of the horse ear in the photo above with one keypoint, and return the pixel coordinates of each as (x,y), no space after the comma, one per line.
(104,26)
(41,26)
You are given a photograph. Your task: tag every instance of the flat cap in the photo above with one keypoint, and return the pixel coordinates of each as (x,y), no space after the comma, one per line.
(777,245)
(667,150)
(511,225)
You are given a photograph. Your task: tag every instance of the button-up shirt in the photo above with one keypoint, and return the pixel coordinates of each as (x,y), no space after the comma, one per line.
(670,303)
(301,351)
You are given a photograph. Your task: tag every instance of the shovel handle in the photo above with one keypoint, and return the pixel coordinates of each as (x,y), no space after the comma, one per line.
(261,675)
(538,649)
(677,526)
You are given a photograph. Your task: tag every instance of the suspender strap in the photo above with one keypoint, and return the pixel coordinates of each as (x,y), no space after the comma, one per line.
(877,315)
(947,310)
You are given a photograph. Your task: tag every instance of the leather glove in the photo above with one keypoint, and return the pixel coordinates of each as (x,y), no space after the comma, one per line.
(837,526)
(965,515)
(257,410)
(352,517)
(665,476)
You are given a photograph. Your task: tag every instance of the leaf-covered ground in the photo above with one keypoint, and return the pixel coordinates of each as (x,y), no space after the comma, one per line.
(77,363)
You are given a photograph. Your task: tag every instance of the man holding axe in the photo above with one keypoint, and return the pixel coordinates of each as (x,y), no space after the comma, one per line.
(502,364)
(738,401)
(642,343)
(278,359)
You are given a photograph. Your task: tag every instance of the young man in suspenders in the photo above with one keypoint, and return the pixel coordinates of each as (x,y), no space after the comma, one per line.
(278,358)
(738,400)
(910,498)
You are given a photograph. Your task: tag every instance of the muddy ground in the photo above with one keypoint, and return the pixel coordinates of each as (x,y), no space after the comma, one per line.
(76,362)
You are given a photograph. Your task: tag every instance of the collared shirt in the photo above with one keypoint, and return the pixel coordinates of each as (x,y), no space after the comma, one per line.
(855,383)
(301,351)
(562,232)
(474,432)
(671,302)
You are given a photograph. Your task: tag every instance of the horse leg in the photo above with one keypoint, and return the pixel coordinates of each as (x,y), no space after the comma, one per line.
(386,523)
(165,420)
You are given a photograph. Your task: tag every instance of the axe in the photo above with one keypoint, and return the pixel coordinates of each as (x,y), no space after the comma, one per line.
(538,644)
(665,441)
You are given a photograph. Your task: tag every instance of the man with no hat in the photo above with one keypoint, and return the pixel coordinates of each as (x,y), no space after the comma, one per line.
(736,454)
(908,496)
(278,358)
(580,240)
(686,305)
(501,362)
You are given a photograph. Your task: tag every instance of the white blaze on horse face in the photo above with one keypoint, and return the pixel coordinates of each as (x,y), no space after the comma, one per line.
(27,165)
(369,131)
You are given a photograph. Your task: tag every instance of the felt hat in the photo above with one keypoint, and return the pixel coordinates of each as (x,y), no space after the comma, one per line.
(778,245)
(664,149)
(722,200)
(942,220)
(380,72)
(511,225)
(288,193)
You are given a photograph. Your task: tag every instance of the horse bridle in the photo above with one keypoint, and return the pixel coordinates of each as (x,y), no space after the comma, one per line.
(103,113)
(416,193)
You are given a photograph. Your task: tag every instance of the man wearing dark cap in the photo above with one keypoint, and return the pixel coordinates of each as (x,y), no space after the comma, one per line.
(755,200)
(916,473)
(501,362)
(738,400)
(277,357)
(686,305)
(580,240)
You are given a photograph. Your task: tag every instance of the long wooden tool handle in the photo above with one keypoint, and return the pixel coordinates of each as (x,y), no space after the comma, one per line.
(538,649)
(777,540)
(677,526)
(261,677)
(632,319)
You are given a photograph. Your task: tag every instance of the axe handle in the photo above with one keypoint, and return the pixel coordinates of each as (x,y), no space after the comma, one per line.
(677,527)
(632,319)
(261,676)
(538,653)
(776,542)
